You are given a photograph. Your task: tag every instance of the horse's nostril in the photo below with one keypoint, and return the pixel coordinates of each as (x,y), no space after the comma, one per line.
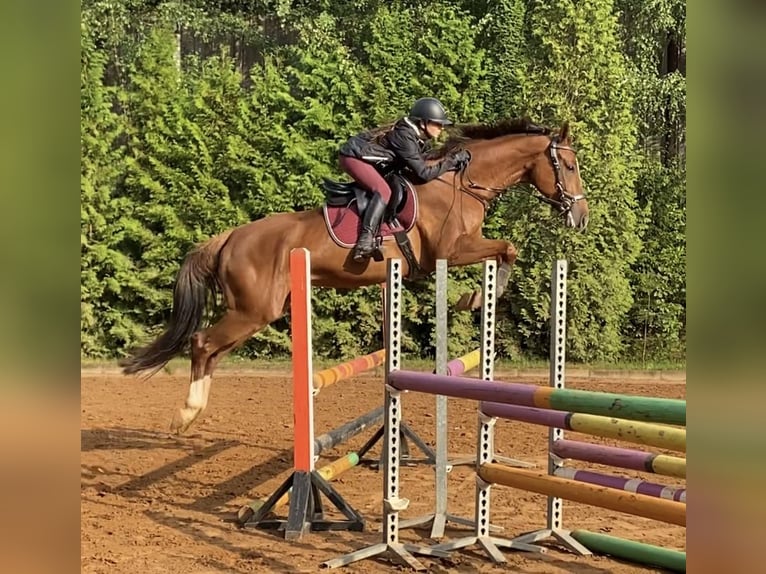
(584,222)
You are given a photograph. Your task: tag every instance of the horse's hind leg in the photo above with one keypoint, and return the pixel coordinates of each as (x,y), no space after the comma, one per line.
(206,345)
(212,344)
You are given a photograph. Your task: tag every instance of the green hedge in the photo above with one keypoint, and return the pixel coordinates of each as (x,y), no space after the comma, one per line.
(197,117)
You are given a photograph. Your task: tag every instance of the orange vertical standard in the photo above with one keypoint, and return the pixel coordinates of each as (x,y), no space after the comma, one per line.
(303,399)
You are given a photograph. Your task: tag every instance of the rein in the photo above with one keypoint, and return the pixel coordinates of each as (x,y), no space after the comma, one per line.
(563,203)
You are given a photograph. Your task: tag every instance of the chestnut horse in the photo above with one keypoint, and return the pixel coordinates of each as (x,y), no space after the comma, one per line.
(249,265)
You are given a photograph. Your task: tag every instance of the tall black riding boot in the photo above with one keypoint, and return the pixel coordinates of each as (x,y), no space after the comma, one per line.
(365,246)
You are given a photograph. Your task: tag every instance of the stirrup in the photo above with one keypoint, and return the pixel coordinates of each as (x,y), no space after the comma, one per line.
(360,255)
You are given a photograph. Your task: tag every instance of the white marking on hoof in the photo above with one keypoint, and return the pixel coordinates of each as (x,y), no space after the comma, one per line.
(196,401)
(503,275)
(476,300)
(198,392)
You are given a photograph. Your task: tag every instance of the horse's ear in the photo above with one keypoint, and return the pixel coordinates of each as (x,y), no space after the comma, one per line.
(564,133)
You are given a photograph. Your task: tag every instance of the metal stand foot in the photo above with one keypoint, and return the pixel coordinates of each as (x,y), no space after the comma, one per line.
(563,536)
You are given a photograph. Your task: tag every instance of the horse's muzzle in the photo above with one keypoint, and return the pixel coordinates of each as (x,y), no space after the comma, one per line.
(576,216)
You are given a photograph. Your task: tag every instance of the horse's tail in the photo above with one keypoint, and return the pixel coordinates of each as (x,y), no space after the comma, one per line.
(196,278)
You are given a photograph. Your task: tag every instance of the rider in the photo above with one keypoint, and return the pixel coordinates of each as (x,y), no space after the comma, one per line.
(400,147)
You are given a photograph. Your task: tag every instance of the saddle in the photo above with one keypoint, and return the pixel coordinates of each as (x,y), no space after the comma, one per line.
(344,193)
(345,203)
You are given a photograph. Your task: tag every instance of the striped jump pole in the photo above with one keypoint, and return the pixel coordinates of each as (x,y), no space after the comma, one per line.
(640,552)
(620,457)
(660,509)
(344,432)
(332,375)
(638,486)
(660,436)
(306,482)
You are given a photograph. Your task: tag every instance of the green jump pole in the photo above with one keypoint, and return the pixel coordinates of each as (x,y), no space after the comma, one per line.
(630,550)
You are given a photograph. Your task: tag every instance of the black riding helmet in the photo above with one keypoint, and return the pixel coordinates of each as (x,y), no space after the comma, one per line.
(429,110)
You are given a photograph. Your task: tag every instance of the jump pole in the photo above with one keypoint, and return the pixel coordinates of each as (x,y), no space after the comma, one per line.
(620,457)
(332,375)
(676,493)
(639,432)
(661,509)
(306,511)
(529,395)
(634,551)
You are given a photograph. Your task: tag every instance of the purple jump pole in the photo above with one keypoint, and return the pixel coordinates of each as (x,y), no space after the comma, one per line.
(620,483)
(463,387)
(608,455)
(535,416)
(620,457)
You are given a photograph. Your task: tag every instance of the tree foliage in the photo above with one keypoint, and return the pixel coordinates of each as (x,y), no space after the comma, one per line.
(199,116)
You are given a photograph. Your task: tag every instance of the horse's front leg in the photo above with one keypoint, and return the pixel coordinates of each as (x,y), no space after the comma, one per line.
(469,250)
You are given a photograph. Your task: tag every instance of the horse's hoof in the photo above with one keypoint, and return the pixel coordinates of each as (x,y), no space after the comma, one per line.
(503,275)
(469,302)
(183,420)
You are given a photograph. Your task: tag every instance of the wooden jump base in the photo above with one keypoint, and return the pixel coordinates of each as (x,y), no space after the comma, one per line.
(328,472)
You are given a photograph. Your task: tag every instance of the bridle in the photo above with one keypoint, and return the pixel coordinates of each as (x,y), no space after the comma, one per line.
(564,200)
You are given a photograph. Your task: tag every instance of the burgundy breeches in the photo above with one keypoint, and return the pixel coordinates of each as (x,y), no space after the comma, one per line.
(365,175)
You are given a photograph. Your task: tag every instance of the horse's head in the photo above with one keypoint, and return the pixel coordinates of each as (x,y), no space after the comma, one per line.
(556,174)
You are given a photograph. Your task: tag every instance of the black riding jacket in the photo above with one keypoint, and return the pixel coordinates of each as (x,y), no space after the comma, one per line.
(400,149)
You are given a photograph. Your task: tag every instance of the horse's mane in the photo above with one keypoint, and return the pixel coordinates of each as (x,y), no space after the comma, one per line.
(465,132)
